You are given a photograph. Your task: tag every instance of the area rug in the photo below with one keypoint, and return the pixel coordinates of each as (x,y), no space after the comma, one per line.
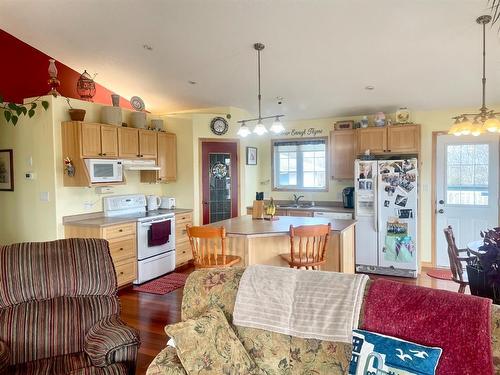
(164,284)
(440,273)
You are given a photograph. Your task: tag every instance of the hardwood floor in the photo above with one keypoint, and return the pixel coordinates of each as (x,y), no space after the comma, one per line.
(150,313)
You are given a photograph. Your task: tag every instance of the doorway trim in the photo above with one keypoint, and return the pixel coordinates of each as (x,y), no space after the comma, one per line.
(435,135)
(200,171)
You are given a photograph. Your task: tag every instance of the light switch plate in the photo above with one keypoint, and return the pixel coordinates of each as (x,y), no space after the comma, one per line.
(44,196)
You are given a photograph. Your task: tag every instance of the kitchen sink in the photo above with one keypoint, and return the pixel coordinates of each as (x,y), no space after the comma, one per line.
(294,206)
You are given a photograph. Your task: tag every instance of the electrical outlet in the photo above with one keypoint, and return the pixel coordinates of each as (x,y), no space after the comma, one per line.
(87,205)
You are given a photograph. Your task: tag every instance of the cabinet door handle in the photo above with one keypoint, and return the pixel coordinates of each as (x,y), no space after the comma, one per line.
(120,230)
(121,249)
(138,155)
(104,154)
(121,273)
(100,153)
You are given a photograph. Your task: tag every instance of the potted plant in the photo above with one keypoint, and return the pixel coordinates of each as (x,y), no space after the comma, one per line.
(484,270)
(75,114)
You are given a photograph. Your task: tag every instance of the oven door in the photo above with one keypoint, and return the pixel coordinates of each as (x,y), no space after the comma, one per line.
(145,251)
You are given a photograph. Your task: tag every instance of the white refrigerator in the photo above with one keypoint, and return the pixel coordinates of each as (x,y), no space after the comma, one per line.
(386,211)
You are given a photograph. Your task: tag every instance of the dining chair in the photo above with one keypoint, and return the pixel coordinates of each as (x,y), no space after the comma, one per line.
(308,244)
(456,265)
(208,245)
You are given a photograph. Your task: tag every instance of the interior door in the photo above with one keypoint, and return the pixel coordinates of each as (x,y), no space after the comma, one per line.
(466,189)
(219,180)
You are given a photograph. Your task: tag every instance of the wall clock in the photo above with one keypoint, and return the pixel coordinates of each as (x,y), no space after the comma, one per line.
(219,126)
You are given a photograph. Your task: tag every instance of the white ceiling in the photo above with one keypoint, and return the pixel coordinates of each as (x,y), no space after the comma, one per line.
(320,54)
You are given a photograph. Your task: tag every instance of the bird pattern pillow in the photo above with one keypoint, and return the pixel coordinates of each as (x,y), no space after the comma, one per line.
(374,353)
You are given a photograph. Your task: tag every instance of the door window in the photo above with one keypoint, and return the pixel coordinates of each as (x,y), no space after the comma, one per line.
(467,174)
(220,186)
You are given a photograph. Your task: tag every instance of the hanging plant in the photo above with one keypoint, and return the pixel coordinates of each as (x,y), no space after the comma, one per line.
(495,10)
(12,111)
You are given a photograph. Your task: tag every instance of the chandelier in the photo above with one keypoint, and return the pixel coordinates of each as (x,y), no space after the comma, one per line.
(486,119)
(260,129)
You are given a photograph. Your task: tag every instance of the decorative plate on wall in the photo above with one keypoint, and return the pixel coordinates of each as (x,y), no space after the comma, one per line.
(137,103)
(219,126)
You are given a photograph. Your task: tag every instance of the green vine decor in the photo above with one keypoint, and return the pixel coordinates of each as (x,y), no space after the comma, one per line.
(12,111)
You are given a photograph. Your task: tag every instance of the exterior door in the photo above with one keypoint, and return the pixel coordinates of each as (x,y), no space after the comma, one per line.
(466,189)
(219,180)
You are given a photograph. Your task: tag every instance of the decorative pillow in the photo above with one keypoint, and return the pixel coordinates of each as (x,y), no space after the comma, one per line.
(208,345)
(372,351)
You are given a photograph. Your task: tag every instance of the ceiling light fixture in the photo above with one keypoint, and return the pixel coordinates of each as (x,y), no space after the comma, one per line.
(260,128)
(147,47)
(486,119)
(369,87)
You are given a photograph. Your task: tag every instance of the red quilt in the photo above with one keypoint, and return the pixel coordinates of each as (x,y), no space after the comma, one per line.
(457,323)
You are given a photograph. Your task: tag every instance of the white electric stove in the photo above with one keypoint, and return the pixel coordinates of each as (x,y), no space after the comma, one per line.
(152,261)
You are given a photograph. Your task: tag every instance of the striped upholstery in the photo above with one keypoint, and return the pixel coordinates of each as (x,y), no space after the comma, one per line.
(100,342)
(51,295)
(4,356)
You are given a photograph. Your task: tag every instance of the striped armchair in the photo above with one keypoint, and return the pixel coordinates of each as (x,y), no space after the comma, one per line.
(59,312)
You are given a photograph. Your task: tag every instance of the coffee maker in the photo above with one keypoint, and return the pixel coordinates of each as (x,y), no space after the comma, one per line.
(348,197)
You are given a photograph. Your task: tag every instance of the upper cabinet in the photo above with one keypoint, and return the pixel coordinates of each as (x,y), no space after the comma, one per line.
(342,153)
(128,143)
(147,144)
(373,139)
(136,143)
(395,139)
(81,140)
(98,140)
(403,138)
(167,160)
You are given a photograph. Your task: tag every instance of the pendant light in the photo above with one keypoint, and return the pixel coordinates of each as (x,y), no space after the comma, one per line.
(260,129)
(486,120)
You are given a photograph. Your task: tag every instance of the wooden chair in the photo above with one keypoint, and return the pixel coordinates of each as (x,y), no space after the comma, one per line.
(456,266)
(308,244)
(206,243)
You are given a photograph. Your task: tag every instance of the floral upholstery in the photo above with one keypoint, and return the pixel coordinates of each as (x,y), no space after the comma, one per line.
(208,345)
(274,354)
(64,289)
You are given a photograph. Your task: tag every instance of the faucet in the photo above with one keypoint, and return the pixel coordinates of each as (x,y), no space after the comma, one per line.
(297,198)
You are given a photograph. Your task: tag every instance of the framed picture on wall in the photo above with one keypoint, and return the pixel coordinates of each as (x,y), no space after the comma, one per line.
(251,155)
(6,171)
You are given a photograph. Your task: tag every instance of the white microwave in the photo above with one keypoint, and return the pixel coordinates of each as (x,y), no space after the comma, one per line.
(104,170)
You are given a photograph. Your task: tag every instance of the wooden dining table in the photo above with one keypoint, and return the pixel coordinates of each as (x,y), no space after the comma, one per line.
(474,246)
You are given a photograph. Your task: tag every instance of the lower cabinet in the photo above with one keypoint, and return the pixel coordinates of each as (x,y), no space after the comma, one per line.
(183,253)
(122,246)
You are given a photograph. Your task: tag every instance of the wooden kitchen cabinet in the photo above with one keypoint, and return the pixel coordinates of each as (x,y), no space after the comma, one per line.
(300,213)
(394,139)
(166,160)
(122,246)
(183,252)
(403,138)
(128,143)
(342,154)
(147,144)
(109,140)
(373,139)
(98,140)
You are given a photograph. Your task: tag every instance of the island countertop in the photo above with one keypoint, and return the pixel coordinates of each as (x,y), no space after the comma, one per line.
(246,226)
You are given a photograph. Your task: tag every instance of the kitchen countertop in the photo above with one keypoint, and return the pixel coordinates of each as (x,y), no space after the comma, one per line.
(314,208)
(246,226)
(99,220)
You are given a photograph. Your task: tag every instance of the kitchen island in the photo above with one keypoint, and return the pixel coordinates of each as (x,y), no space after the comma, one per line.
(261,241)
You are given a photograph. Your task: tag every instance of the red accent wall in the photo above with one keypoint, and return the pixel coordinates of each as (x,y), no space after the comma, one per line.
(24,74)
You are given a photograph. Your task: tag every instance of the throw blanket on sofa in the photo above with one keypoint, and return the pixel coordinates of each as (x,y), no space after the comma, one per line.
(307,304)
(457,323)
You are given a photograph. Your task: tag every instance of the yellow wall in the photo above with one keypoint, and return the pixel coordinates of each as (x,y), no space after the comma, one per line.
(192,126)
(23,217)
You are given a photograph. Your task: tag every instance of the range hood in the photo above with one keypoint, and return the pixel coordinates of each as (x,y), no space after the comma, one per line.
(140,165)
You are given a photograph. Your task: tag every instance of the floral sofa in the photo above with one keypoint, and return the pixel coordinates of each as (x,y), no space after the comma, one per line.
(272,352)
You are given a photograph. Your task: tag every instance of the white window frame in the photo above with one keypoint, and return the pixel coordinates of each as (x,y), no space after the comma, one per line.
(299,187)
